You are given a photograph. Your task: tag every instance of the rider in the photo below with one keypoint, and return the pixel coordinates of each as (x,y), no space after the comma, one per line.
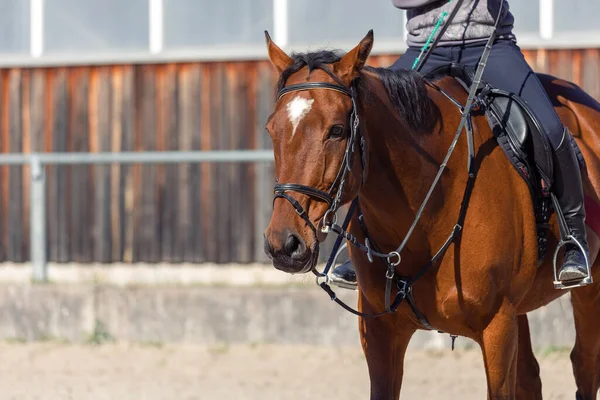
(463,42)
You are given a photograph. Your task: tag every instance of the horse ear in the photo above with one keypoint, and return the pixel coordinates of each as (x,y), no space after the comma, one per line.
(352,62)
(278,58)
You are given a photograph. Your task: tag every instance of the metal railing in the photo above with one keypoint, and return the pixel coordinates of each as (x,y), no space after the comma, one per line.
(38,161)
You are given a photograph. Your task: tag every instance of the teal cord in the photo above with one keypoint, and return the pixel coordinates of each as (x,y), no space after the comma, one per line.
(430,38)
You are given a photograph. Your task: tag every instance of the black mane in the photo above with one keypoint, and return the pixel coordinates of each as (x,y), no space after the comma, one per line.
(406,88)
(408,93)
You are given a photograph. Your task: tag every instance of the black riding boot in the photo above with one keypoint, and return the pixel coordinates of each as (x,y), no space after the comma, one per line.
(568,190)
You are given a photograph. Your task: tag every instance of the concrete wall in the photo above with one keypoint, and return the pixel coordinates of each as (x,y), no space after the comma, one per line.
(292,310)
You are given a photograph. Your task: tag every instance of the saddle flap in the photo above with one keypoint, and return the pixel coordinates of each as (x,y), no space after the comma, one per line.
(508,114)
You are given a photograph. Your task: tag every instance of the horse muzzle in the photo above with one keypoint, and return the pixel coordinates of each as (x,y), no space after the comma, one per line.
(290,253)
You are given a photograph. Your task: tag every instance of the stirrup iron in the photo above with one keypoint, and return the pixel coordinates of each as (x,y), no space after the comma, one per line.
(572,284)
(331,278)
(567,238)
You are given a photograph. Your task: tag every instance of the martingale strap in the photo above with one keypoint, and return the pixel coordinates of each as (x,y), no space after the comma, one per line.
(403,284)
(400,296)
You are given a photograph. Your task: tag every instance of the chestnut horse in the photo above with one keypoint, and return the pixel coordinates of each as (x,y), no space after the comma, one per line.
(487,278)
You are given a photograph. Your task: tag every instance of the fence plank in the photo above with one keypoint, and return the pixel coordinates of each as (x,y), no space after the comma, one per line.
(168,128)
(208,139)
(127,181)
(58,238)
(562,70)
(242,234)
(220,126)
(265,173)
(81,199)
(187,83)
(15,180)
(189,242)
(232,87)
(100,100)
(116,194)
(149,249)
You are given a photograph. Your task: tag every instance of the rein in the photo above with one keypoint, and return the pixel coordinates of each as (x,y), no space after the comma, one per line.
(333,196)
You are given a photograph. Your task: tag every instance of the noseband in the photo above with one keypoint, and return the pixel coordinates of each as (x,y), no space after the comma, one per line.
(333,196)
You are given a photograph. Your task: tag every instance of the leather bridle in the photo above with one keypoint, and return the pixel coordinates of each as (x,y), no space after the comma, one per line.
(333,196)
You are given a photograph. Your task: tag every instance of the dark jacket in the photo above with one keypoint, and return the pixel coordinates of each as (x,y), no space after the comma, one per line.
(474,22)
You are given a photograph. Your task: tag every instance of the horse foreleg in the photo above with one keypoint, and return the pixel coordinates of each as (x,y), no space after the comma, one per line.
(384,344)
(586,352)
(499,345)
(529,384)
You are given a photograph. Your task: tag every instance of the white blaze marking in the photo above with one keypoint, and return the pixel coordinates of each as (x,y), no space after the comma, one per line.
(297,109)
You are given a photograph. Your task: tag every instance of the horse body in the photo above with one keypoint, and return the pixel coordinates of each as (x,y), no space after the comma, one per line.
(488,278)
(482,279)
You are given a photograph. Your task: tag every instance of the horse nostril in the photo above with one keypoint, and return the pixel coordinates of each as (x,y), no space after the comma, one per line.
(294,246)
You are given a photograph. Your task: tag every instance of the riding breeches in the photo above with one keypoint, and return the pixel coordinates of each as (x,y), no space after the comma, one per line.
(506,69)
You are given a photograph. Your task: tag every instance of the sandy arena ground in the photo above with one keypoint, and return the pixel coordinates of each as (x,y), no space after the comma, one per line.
(52,371)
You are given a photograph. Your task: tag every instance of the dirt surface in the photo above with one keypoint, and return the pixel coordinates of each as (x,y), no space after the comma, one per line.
(52,371)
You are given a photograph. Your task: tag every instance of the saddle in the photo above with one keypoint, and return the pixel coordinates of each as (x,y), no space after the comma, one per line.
(520,135)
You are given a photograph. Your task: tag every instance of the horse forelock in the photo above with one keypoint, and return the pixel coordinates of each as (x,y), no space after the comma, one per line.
(313,60)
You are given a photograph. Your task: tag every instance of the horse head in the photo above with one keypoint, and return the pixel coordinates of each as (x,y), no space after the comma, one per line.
(314,129)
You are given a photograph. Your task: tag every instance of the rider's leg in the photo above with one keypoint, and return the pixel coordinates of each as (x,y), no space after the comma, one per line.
(507,69)
(344,275)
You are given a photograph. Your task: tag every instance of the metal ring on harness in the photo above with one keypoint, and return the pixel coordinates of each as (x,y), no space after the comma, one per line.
(391,256)
(322,276)
(329,219)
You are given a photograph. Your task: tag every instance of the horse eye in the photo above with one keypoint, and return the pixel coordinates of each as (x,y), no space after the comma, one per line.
(336,131)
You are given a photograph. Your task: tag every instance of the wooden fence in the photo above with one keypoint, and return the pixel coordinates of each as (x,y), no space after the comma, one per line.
(174,213)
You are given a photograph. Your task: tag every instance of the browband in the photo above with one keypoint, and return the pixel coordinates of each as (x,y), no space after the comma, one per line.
(314,85)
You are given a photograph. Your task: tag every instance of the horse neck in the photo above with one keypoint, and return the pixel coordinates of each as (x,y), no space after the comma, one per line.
(402,168)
